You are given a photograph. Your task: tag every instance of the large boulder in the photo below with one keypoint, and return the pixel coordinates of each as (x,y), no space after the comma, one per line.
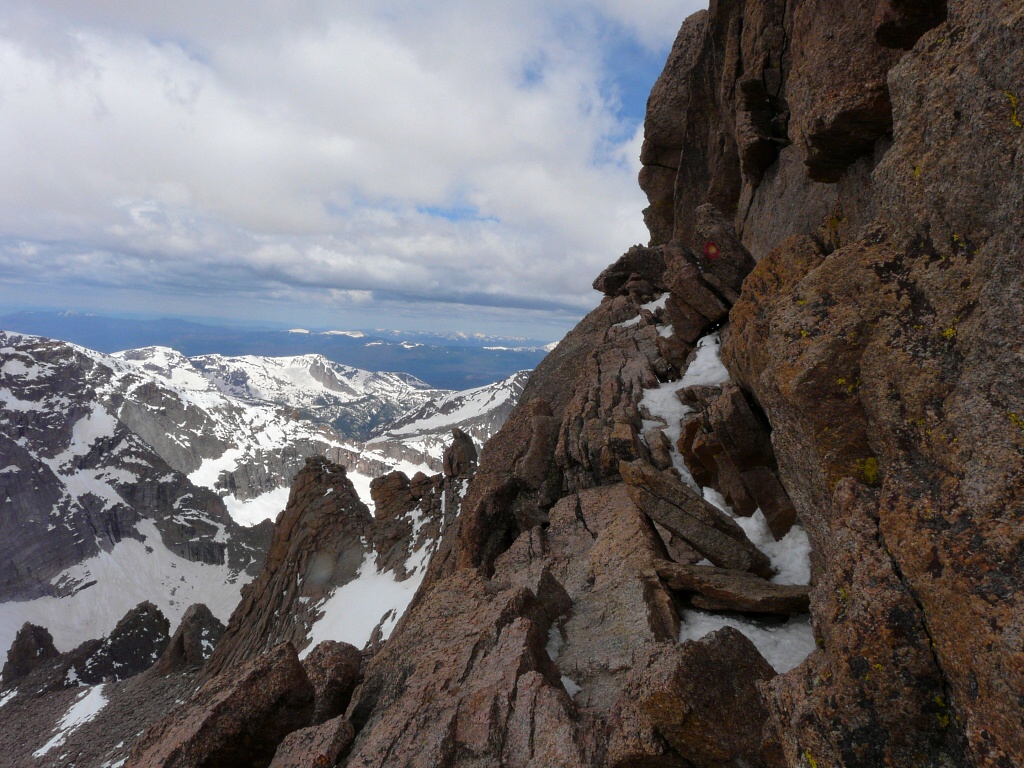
(695,704)
(236,720)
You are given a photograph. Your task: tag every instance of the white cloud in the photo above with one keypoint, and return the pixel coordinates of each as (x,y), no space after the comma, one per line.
(456,149)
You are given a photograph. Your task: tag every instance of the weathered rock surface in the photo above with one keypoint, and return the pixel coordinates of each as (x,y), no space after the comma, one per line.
(723,589)
(320,540)
(727,446)
(799,197)
(193,641)
(32,648)
(695,704)
(333,669)
(465,678)
(668,501)
(236,719)
(318,746)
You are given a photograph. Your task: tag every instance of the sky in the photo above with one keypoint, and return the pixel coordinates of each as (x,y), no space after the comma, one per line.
(446,166)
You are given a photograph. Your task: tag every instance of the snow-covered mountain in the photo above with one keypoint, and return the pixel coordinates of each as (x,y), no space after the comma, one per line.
(352,401)
(421,434)
(143,474)
(100,474)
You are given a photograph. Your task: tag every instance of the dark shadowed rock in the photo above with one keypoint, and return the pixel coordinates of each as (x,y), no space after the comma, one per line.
(460,457)
(235,720)
(900,23)
(193,641)
(333,669)
(133,646)
(638,264)
(32,648)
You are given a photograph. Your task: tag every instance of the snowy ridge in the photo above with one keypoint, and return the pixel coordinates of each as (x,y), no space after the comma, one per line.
(350,399)
(132,473)
(420,436)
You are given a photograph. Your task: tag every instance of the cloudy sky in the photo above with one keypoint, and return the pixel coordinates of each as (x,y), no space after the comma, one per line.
(446,165)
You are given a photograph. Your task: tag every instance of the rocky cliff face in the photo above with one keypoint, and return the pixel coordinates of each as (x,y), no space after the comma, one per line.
(838,188)
(818,352)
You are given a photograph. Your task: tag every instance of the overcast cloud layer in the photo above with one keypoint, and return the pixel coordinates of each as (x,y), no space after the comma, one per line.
(448,164)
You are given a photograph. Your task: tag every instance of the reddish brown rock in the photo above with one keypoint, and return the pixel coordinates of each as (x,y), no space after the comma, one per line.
(707,529)
(727,446)
(460,457)
(320,540)
(333,669)
(638,263)
(193,641)
(444,689)
(392,495)
(236,719)
(660,447)
(723,589)
(695,704)
(319,746)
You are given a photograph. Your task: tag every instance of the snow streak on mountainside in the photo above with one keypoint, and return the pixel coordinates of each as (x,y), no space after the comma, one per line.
(82,488)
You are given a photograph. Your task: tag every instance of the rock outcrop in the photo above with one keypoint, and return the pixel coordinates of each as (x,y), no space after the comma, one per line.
(236,719)
(838,189)
(32,648)
(193,641)
(320,541)
(35,666)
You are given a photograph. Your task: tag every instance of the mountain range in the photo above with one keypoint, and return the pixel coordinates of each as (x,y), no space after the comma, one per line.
(444,360)
(174,468)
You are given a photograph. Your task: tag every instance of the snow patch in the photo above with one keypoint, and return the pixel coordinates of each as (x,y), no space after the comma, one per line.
(355,609)
(784,646)
(251,512)
(706,367)
(124,577)
(84,709)
(570,686)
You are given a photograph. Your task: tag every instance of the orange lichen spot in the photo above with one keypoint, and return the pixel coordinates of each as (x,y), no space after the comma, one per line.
(712,251)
